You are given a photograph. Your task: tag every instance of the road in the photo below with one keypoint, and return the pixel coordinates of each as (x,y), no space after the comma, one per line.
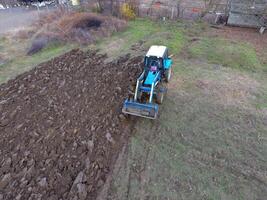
(16,18)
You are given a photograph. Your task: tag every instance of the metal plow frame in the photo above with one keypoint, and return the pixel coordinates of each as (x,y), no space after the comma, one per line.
(149,111)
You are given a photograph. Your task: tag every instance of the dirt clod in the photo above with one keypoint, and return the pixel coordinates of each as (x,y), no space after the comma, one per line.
(5,180)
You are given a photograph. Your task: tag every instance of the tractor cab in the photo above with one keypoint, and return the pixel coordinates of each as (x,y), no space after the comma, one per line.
(156,55)
(156,61)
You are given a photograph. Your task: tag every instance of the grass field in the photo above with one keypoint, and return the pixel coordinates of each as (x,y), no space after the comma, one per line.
(140,35)
(210,140)
(225,53)
(207,144)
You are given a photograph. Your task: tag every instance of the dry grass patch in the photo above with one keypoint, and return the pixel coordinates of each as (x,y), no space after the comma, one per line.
(234,90)
(65,26)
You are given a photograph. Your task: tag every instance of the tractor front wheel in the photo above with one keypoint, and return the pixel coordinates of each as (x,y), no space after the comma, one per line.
(168,74)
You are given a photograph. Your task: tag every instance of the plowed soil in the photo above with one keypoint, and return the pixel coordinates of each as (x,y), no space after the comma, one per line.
(61,126)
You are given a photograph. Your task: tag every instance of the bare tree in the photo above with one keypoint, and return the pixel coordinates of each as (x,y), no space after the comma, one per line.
(209,4)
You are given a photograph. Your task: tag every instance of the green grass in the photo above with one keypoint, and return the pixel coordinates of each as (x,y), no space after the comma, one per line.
(226,53)
(20,64)
(262,98)
(147,33)
(2,41)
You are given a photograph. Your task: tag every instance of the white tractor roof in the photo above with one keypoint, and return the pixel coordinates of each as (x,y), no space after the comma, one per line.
(157,51)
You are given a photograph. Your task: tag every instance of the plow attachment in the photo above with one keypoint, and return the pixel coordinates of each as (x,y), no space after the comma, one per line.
(147,110)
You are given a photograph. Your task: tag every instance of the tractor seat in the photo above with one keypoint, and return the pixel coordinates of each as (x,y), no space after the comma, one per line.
(153,68)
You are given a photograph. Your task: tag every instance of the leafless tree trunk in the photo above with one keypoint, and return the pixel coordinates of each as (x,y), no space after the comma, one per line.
(208,6)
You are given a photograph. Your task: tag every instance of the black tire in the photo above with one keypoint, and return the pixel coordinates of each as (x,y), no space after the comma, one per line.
(160,97)
(168,74)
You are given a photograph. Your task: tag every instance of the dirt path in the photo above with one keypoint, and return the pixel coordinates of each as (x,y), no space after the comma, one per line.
(16,18)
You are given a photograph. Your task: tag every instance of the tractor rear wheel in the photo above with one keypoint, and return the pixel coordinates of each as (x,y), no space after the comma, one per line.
(168,74)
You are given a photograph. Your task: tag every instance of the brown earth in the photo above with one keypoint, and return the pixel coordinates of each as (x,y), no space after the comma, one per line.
(61,126)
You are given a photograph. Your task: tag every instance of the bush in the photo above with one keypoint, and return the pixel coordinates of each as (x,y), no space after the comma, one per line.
(81,27)
(127,11)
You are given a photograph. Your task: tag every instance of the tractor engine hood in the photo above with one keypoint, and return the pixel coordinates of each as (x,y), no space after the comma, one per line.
(150,78)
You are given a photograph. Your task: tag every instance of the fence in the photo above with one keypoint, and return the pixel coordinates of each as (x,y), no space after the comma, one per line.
(182,9)
(248,13)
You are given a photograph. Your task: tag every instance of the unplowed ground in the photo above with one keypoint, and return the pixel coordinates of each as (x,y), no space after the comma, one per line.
(251,36)
(61,127)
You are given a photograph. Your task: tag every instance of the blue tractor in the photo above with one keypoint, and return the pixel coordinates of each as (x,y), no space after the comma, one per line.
(151,85)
